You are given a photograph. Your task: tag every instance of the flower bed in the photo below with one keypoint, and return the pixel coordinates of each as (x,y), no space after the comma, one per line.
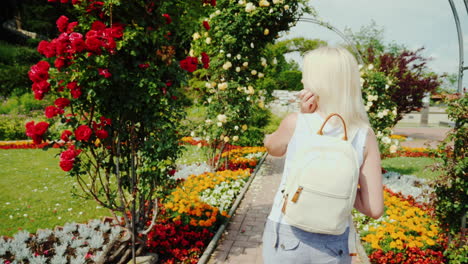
(407,232)
(25,144)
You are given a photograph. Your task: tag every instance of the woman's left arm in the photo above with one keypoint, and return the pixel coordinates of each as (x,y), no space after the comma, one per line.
(277,142)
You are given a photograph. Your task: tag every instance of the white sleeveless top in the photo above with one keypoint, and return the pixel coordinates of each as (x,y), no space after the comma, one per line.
(300,135)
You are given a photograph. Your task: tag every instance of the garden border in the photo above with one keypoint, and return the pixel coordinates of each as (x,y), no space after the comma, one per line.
(214,241)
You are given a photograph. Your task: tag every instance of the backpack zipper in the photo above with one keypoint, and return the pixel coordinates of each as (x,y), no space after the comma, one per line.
(297,194)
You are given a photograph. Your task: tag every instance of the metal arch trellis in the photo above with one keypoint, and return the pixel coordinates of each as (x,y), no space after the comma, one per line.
(461,66)
(334,29)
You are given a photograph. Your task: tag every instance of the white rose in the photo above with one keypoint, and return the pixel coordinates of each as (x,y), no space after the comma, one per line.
(223,86)
(286,7)
(275,61)
(271,10)
(209,100)
(226,139)
(253,72)
(380,115)
(379,134)
(222,118)
(370,67)
(192,134)
(220,124)
(252,45)
(277,1)
(367,108)
(245,64)
(239,56)
(266,31)
(250,90)
(208,40)
(208,85)
(227,65)
(393,148)
(218,12)
(360,66)
(249,7)
(238,69)
(196,36)
(263,3)
(386,140)
(261,75)
(385,112)
(241,2)
(362,81)
(236,128)
(235,138)
(208,121)
(369,104)
(394,112)
(228,55)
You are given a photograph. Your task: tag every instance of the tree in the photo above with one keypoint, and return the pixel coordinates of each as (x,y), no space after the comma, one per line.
(116,75)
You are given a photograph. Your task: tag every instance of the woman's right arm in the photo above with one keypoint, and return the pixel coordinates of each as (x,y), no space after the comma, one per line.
(369,197)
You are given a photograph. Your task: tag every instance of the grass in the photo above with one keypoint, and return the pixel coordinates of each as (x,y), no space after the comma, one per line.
(192,154)
(36,193)
(411,166)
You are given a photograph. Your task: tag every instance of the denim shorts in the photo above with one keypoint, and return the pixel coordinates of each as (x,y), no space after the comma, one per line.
(285,244)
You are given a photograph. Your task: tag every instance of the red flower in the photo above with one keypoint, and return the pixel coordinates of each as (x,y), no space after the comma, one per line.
(105,121)
(168,18)
(77,42)
(189,64)
(104,72)
(39,72)
(83,132)
(62,102)
(36,131)
(45,48)
(40,88)
(71,27)
(117,30)
(67,158)
(75,90)
(98,26)
(66,135)
(143,65)
(102,134)
(94,45)
(206,25)
(205,60)
(52,111)
(62,23)
(61,62)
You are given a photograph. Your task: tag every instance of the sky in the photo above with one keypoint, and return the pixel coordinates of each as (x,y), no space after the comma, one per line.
(413,23)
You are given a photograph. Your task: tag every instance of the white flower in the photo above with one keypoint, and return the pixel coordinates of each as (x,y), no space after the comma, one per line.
(380,115)
(264,3)
(228,55)
(367,108)
(379,134)
(387,86)
(264,62)
(252,45)
(241,2)
(220,124)
(236,128)
(209,100)
(370,67)
(275,61)
(218,12)
(245,64)
(208,121)
(11,217)
(223,86)
(266,31)
(369,104)
(226,139)
(360,66)
(227,65)
(271,10)
(208,85)
(394,112)
(239,56)
(208,40)
(192,134)
(393,148)
(286,7)
(205,34)
(386,140)
(222,118)
(253,72)
(249,7)
(261,75)
(196,36)
(385,112)
(238,69)
(250,90)
(277,2)
(235,138)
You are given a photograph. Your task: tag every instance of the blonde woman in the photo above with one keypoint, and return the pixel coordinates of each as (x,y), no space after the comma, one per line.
(331,85)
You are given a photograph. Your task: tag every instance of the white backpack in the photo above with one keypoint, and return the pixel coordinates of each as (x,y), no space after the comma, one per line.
(322,182)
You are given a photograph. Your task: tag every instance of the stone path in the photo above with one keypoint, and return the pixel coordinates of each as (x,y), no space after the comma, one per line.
(242,242)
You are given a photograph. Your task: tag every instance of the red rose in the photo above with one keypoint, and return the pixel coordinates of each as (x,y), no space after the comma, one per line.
(169,83)
(39,72)
(52,111)
(45,48)
(164,90)
(40,88)
(40,128)
(37,139)
(189,64)
(105,121)
(98,25)
(117,30)
(74,2)
(62,102)
(168,18)
(62,23)
(63,1)
(102,134)
(205,60)
(66,165)
(30,128)
(71,27)
(206,25)
(76,93)
(104,72)
(66,135)
(143,65)
(60,62)
(93,44)
(83,132)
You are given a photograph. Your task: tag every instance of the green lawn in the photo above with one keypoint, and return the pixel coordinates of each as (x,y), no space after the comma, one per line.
(36,193)
(411,166)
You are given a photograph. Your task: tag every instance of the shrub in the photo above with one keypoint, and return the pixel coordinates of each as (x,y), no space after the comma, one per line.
(12,127)
(290,80)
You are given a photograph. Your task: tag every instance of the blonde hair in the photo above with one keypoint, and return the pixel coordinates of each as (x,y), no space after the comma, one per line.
(333,75)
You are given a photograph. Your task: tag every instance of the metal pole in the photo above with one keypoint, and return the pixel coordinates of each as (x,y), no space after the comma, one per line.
(460,45)
(334,29)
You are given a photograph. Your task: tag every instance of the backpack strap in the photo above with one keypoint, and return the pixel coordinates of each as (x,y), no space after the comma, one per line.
(320,132)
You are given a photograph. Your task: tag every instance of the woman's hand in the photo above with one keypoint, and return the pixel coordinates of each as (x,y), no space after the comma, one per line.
(309,101)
